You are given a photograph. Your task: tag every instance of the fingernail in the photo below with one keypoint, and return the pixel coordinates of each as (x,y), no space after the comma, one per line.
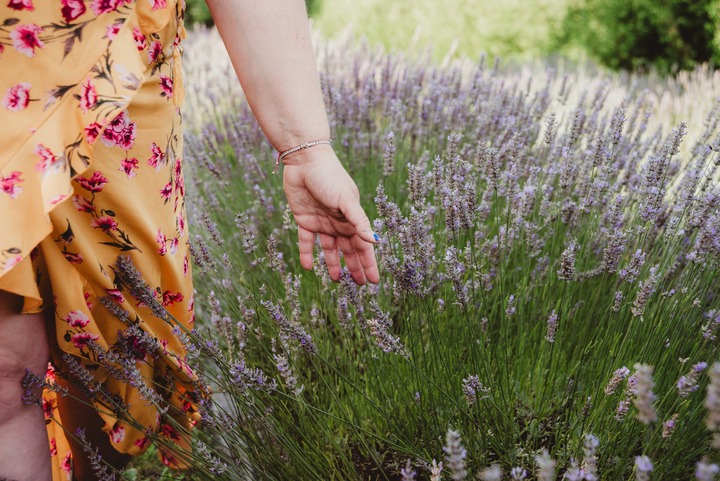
(376,237)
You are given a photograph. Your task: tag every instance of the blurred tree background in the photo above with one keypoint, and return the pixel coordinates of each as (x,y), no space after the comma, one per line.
(666,35)
(197,11)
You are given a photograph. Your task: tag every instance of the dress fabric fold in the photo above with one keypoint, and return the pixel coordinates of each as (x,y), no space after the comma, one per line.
(91,171)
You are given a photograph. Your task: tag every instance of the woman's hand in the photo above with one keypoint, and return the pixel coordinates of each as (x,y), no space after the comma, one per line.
(324,200)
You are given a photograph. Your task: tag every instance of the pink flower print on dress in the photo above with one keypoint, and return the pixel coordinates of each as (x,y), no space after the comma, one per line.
(166,191)
(73,258)
(117,434)
(116,295)
(139,38)
(94,183)
(120,131)
(58,198)
(169,298)
(181,224)
(157,4)
(169,431)
(88,96)
(174,244)
(53,447)
(161,239)
(82,339)
(186,269)
(48,408)
(112,30)
(154,52)
(77,319)
(105,6)
(11,184)
(17,98)
(157,156)
(48,161)
(166,84)
(88,302)
(104,223)
(66,464)
(129,166)
(142,442)
(12,262)
(82,204)
(92,131)
(21,5)
(72,9)
(26,38)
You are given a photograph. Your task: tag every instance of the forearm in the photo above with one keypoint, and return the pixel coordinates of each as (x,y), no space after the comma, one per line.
(270,48)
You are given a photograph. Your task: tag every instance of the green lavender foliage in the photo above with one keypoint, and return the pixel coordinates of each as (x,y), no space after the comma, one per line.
(507,203)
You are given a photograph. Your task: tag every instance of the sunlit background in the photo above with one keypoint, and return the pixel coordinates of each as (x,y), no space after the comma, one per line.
(668,36)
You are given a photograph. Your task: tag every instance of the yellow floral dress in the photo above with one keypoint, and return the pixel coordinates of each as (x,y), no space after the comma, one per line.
(91,170)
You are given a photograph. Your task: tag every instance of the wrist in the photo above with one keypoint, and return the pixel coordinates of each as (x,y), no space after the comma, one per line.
(306,152)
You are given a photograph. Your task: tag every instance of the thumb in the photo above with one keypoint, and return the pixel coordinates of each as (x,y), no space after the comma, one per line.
(355,214)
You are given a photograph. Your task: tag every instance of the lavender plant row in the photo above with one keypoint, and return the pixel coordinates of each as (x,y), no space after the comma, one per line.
(549,298)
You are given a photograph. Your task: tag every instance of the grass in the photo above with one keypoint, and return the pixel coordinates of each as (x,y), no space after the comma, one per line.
(515,29)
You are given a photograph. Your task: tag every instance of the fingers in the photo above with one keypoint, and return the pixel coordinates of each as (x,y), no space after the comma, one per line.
(306,242)
(355,214)
(332,255)
(352,260)
(366,254)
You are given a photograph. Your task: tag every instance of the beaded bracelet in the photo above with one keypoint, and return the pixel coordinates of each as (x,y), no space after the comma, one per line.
(305,145)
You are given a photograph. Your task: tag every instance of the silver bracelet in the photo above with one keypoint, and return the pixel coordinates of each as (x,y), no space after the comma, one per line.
(304,145)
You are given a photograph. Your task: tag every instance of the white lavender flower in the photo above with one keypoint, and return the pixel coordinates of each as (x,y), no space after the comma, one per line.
(566,271)
(510,308)
(551,327)
(705,471)
(389,154)
(617,302)
(545,466)
(644,397)
(669,426)
(493,473)
(436,471)
(408,473)
(518,474)
(712,399)
(643,468)
(618,376)
(590,460)
(455,455)
(283,367)
(574,472)
(630,272)
(472,388)
(687,384)
(647,289)
(622,409)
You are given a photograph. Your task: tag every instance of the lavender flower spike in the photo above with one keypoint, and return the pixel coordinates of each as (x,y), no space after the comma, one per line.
(408,473)
(644,396)
(493,473)
(546,466)
(455,455)
(712,399)
(436,471)
(643,468)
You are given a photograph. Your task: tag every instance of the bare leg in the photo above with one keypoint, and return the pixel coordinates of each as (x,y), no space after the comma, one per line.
(75,413)
(24,447)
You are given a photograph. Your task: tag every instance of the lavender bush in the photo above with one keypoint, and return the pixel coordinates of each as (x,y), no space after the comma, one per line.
(548,306)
